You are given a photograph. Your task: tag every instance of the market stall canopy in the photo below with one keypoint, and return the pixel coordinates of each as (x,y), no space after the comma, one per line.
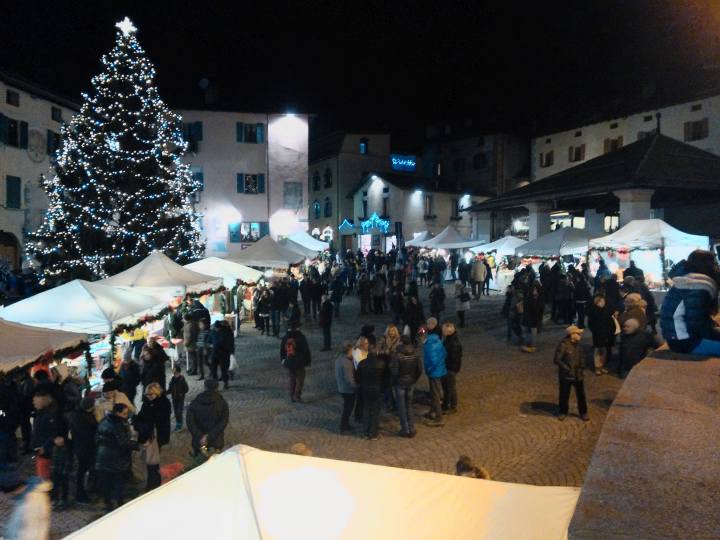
(267,253)
(565,241)
(81,306)
(419,238)
(229,271)
(22,344)
(503,247)
(251,494)
(308,241)
(158,275)
(449,238)
(306,252)
(649,234)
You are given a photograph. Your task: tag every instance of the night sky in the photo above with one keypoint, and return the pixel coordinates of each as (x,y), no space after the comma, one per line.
(387,65)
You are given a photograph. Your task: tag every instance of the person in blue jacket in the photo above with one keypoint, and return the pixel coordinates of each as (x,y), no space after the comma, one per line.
(434,360)
(686,315)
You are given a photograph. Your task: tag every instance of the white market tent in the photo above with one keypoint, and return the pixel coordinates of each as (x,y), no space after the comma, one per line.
(22,344)
(158,275)
(249,494)
(81,306)
(449,238)
(267,253)
(565,241)
(649,234)
(306,252)
(308,241)
(419,238)
(229,271)
(503,247)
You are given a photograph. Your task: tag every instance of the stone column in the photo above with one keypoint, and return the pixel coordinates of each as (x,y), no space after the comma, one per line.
(483,226)
(634,204)
(539,219)
(594,223)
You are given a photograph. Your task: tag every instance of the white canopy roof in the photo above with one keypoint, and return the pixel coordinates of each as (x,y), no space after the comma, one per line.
(81,306)
(160,276)
(22,344)
(565,241)
(306,252)
(308,241)
(503,246)
(419,238)
(249,494)
(266,252)
(649,234)
(229,271)
(449,238)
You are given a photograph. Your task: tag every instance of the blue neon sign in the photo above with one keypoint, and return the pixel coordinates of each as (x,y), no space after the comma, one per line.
(402,162)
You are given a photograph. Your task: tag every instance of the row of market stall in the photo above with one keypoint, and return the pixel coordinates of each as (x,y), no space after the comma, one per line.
(81,312)
(652,243)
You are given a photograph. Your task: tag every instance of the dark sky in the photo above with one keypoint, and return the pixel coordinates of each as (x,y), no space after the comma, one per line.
(396,64)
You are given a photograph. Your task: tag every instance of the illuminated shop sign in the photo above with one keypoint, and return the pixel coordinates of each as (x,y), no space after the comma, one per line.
(403,163)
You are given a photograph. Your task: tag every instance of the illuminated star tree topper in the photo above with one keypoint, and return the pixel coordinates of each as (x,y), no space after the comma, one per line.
(119,189)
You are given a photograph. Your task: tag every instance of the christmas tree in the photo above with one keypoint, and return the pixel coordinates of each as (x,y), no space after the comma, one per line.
(119,190)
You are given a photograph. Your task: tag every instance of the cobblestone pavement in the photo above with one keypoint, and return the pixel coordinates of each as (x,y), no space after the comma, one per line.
(506,419)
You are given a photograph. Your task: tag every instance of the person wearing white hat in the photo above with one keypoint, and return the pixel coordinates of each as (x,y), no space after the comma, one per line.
(570,363)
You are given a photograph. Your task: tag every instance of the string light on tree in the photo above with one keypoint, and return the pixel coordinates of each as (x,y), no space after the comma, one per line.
(119,190)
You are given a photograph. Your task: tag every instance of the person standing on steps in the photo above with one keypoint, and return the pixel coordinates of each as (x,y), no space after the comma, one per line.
(295,356)
(570,363)
(325,321)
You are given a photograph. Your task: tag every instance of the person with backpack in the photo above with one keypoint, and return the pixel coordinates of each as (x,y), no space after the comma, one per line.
(295,356)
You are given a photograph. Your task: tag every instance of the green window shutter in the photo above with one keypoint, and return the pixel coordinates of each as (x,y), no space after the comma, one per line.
(3,129)
(239,132)
(200,177)
(264,228)
(260,133)
(240,183)
(234,233)
(23,134)
(197,131)
(261,183)
(12,193)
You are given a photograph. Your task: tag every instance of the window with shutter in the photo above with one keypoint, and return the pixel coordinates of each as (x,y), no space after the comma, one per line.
(316,209)
(261,183)
(328,207)
(234,235)
(12,98)
(3,129)
(56,114)
(328,178)
(240,183)
(197,129)
(23,134)
(264,228)
(239,132)
(316,181)
(260,133)
(13,132)
(12,192)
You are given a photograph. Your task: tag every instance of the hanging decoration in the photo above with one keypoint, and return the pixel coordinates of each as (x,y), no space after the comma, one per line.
(119,189)
(375,222)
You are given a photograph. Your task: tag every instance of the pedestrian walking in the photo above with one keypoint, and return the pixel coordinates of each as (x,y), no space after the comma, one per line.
(295,356)
(83,427)
(223,345)
(453,362)
(207,418)
(405,371)
(569,360)
(346,385)
(190,335)
(177,390)
(478,274)
(601,322)
(373,380)
(113,456)
(462,302)
(437,300)
(434,355)
(325,321)
(532,314)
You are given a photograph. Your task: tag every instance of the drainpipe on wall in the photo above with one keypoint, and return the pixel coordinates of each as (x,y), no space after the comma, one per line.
(267,166)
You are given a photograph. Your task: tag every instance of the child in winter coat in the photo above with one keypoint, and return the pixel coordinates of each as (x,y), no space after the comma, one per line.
(634,343)
(177,390)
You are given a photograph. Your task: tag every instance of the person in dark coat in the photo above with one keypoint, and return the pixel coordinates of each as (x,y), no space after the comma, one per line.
(437,300)
(611,288)
(373,376)
(292,314)
(336,294)
(306,296)
(113,455)
(581,294)
(10,416)
(532,314)
(199,312)
(364,292)
(569,360)
(405,371)
(207,418)
(223,345)
(453,362)
(83,427)
(414,316)
(346,385)
(564,299)
(153,359)
(155,413)
(325,321)
(633,271)
(602,326)
(190,334)
(131,377)
(177,390)
(295,356)
(634,344)
(45,427)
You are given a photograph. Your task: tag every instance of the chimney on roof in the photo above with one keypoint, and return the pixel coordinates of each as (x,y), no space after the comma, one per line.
(658,116)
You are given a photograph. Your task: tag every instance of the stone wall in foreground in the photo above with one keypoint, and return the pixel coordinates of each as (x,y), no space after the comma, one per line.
(655,472)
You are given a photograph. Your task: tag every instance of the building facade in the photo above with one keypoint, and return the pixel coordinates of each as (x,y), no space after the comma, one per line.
(30,120)
(253,168)
(696,123)
(390,208)
(338,162)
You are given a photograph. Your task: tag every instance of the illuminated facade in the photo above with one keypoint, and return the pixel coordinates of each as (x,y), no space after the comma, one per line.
(254,170)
